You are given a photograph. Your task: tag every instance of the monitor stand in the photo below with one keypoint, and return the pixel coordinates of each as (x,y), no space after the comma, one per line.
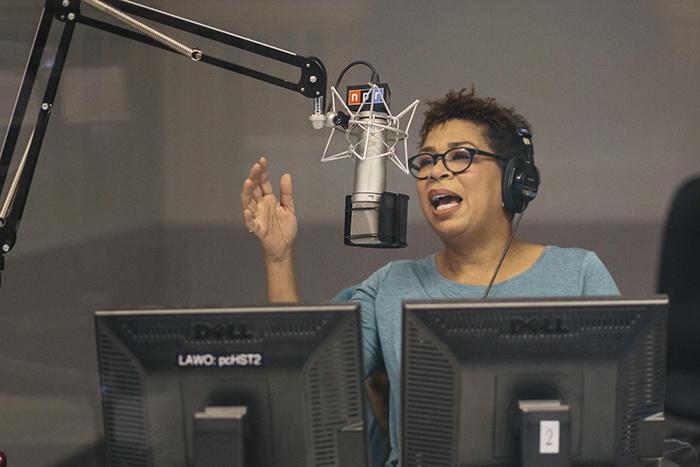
(220,437)
(545,433)
(351,445)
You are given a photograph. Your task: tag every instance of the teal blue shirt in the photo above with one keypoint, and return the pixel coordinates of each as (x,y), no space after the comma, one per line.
(558,272)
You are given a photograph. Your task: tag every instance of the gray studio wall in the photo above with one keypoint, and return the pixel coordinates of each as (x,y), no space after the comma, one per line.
(135,201)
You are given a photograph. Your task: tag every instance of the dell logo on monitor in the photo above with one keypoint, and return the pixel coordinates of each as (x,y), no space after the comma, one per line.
(203,331)
(549,325)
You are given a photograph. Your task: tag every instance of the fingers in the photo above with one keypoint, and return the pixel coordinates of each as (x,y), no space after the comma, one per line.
(252,207)
(264,182)
(251,185)
(286,194)
(255,187)
(247,192)
(250,195)
(250,223)
(257,194)
(260,181)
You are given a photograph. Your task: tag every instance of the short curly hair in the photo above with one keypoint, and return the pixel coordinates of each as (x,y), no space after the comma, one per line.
(499,122)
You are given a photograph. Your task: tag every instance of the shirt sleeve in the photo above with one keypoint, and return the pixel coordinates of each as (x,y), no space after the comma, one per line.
(364,294)
(345,295)
(596,278)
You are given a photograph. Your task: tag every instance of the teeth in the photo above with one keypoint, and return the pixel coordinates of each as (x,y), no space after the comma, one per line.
(451,201)
(435,200)
(442,207)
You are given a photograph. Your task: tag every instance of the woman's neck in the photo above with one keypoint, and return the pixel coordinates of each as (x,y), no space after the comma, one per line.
(475,265)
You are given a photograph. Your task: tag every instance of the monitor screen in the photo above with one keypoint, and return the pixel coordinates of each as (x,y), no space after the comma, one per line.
(254,387)
(468,367)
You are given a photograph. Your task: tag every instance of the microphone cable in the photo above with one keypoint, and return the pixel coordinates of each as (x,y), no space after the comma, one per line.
(374,77)
(505,252)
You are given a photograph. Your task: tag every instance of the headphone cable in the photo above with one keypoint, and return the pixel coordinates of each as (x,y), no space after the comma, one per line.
(505,252)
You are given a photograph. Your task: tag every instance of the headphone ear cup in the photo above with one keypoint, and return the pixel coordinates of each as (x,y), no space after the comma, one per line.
(520,184)
(512,200)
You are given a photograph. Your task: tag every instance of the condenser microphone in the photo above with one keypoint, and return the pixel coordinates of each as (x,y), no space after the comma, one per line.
(374,217)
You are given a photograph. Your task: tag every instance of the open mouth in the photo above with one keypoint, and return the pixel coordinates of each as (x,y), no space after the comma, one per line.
(442,201)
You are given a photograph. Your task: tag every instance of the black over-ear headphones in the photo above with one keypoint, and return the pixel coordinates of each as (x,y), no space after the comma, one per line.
(521,179)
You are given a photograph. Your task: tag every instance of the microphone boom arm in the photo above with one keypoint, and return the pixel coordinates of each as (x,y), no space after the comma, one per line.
(311,84)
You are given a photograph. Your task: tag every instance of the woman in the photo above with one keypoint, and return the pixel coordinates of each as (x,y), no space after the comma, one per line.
(466,143)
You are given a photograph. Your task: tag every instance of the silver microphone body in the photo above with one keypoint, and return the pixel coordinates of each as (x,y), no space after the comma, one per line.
(370,174)
(370,178)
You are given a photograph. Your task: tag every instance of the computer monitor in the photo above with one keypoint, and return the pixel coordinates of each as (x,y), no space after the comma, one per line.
(500,383)
(240,387)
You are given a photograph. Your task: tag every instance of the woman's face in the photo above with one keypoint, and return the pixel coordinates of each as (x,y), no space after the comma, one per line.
(468,203)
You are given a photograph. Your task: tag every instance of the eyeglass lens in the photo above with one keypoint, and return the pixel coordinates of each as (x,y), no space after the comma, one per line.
(456,160)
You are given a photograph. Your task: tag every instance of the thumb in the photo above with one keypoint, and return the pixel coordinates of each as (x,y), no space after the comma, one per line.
(286,196)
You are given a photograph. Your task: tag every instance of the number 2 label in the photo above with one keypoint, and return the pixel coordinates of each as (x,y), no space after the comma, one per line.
(549,437)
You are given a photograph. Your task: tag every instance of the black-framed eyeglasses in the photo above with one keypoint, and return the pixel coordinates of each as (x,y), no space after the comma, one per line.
(456,160)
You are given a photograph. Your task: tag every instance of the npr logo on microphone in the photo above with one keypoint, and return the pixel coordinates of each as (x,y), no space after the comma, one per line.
(357,96)
(360,93)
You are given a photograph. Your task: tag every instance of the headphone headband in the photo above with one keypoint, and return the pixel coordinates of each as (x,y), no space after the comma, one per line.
(526,140)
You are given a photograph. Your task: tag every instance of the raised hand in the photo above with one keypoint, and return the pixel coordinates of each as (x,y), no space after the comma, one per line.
(273,221)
